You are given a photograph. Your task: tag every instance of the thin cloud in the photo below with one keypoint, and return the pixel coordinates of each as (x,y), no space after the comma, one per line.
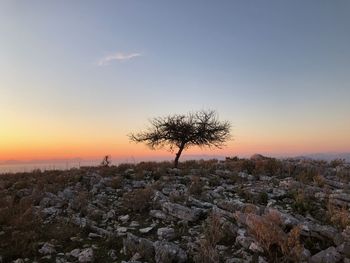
(117,56)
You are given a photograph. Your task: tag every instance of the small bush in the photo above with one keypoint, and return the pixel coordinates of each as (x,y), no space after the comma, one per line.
(337,162)
(319,180)
(138,200)
(213,234)
(307,176)
(214,181)
(339,217)
(178,197)
(344,175)
(116,182)
(304,203)
(279,245)
(262,198)
(248,166)
(206,253)
(196,186)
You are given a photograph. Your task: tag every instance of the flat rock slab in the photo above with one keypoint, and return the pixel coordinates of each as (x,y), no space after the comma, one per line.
(182,212)
(169,252)
(329,255)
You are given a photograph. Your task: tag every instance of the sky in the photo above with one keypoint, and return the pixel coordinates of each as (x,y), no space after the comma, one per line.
(77,76)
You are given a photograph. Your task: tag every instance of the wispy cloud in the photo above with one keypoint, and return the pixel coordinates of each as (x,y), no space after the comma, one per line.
(117,56)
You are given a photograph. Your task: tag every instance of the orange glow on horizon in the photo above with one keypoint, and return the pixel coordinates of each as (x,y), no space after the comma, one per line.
(28,139)
(121,150)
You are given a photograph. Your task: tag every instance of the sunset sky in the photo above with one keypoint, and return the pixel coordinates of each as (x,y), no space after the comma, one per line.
(77,76)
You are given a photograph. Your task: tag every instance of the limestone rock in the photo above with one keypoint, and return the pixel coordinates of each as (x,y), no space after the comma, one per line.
(47,249)
(182,212)
(133,244)
(86,255)
(166,233)
(329,255)
(167,252)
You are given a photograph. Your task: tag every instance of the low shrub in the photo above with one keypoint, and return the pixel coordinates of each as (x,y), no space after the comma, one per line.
(339,217)
(196,186)
(116,182)
(138,200)
(278,245)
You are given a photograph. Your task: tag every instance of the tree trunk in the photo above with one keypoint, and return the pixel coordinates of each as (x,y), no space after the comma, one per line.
(176,162)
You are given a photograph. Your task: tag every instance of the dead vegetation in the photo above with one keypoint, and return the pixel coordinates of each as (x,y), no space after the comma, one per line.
(278,245)
(138,200)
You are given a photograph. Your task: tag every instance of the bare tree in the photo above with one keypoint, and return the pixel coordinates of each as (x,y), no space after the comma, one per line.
(106,161)
(201,128)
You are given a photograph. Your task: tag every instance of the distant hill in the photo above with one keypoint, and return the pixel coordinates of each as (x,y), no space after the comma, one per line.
(328,156)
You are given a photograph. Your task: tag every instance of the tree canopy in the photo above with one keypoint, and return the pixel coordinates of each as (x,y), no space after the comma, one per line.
(201,128)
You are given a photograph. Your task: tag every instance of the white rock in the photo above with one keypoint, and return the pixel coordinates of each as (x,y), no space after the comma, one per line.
(145,230)
(165,233)
(112,254)
(124,218)
(110,214)
(122,229)
(75,252)
(94,235)
(255,248)
(329,255)
(47,249)
(87,255)
(134,224)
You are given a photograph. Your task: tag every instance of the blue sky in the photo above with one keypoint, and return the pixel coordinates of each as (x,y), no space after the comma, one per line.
(278,70)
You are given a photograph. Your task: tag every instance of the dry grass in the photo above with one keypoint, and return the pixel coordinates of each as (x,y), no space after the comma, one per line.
(278,245)
(319,180)
(307,175)
(270,167)
(213,230)
(206,253)
(339,217)
(207,247)
(21,225)
(178,197)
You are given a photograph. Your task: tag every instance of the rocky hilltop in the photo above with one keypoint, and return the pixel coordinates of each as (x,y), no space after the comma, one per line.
(238,210)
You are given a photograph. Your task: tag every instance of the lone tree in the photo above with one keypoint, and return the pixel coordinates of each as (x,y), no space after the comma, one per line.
(180,132)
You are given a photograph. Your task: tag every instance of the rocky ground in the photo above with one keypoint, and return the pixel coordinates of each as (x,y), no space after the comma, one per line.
(239,210)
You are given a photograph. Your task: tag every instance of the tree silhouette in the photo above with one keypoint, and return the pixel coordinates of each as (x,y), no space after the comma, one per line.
(106,161)
(201,128)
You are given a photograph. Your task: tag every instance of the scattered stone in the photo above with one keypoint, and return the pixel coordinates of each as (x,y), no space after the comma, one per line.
(178,218)
(166,233)
(182,212)
(124,218)
(344,249)
(329,255)
(256,248)
(47,249)
(94,235)
(145,230)
(86,255)
(75,252)
(158,214)
(110,214)
(122,229)
(169,252)
(134,224)
(113,254)
(133,244)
